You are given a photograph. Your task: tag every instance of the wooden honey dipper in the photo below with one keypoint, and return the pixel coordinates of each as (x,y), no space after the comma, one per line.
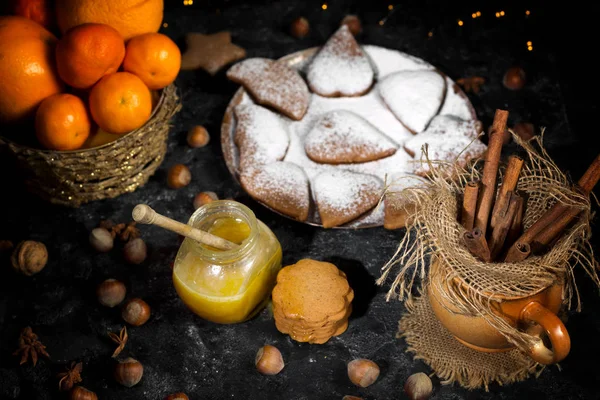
(144,214)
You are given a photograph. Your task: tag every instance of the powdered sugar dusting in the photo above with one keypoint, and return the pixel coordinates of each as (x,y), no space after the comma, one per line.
(389,61)
(282,185)
(260,135)
(448,139)
(340,68)
(273,84)
(413,96)
(341,137)
(346,193)
(454,103)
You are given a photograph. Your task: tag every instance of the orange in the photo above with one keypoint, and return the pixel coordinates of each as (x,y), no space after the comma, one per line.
(87,52)
(27,69)
(154,57)
(129,17)
(40,11)
(62,122)
(120,103)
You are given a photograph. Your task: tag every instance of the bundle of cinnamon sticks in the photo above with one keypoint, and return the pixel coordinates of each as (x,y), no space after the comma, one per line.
(493,217)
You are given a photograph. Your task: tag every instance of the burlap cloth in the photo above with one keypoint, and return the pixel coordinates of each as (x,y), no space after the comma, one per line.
(435,232)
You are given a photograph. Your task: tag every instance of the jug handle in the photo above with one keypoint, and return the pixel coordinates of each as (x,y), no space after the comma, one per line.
(555,329)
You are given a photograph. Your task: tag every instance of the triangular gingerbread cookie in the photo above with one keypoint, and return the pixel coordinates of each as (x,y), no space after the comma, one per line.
(414,97)
(342,137)
(342,196)
(260,135)
(341,67)
(281,185)
(449,140)
(273,84)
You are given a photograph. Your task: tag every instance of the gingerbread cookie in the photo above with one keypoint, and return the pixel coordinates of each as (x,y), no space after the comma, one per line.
(210,52)
(449,139)
(397,207)
(342,196)
(343,137)
(273,84)
(414,97)
(283,186)
(341,67)
(260,134)
(312,301)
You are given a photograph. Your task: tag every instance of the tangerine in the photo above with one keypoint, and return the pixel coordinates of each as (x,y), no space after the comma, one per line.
(120,103)
(129,17)
(62,122)
(154,57)
(27,68)
(88,52)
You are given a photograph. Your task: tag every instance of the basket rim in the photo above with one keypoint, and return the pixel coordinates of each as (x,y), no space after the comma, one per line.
(159,104)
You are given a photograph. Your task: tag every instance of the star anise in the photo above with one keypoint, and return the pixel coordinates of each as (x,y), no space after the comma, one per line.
(30,346)
(120,339)
(471,83)
(130,232)
(70,377)
(114,229)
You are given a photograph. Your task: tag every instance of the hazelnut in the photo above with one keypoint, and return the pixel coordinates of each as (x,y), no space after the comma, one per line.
(203,198)
(514,78)
(129,372)
(300,28)
(349,397)
(363,372)
(29,257)
(198,136)
(6,245)
(418,386)
(179,176)
(524,130)
(268,360)
(135,251)
(177,396)
(353,23)
(81,393)
(136,312)
(111,292)
(101,240)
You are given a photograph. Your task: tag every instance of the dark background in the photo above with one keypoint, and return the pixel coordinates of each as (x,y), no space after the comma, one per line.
(180,351)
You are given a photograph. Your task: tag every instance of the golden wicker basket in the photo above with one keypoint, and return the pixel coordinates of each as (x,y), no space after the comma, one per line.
(72,178)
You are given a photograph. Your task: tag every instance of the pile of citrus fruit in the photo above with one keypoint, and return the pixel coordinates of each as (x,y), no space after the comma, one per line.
(83,72)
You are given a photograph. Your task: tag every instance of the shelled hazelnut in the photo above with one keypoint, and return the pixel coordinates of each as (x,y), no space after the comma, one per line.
(349,397)
(29,257)
(198,136)
(177,396)
(353,23)
(81,393)
(203,198)
(136,312)
(269,360)
(363,372)
(135,251)
(299,28)
(418,386)
(101,240)
(111,292)
(179,176)
(514,78)
(129,372)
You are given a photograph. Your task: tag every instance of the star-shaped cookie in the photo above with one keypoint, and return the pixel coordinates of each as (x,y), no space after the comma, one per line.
(210,52)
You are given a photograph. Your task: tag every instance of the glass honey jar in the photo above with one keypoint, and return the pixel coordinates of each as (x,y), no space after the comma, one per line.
(227,286)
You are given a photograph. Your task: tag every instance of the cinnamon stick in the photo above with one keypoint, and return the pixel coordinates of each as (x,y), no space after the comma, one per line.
(469,205)
(490,171)
(517,252)
(477,245)
(509,184)
(554,215)
(552,230)
(504,223)
(516,228)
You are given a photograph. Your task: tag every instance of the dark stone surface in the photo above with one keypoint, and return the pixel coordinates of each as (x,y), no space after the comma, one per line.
(182,352)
